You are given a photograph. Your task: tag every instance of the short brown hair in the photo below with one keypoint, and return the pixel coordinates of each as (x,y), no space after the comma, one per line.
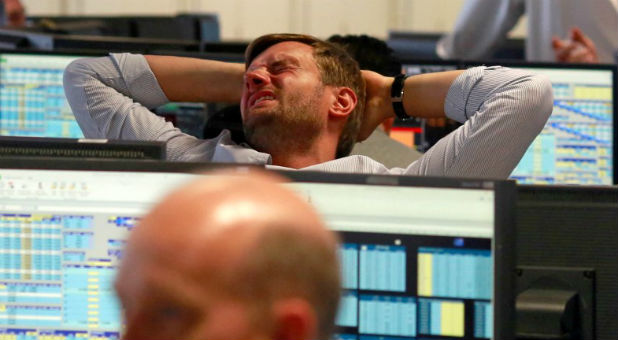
(337,68)
(286,263)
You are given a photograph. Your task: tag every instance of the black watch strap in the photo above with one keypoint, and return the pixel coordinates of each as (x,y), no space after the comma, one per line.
(397,97)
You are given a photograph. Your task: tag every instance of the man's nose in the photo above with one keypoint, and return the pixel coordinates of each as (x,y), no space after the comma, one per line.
(256,78)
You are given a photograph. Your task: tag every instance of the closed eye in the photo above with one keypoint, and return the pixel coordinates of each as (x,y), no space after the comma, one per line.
(282,66)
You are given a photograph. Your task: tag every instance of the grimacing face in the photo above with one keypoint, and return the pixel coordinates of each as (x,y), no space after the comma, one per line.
(283,95)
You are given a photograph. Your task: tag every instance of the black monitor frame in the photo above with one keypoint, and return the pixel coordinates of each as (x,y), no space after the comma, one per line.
(87,53)
(509,49)
(601,67)
(572,228)
(504,236)
(81,148)
(72,53)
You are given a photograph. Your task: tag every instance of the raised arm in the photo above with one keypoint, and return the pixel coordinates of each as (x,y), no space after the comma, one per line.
(503,110)
(424,97)
(197,80)
(111,97)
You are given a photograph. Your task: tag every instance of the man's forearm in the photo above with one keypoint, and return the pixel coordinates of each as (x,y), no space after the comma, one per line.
(424,94)
(423,97)
(197,80)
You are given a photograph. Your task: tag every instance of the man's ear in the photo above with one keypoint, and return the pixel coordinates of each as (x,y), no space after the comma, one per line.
(344,103)
(295,319)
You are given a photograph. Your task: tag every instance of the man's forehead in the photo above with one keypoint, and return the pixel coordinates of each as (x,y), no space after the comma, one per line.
(286,50)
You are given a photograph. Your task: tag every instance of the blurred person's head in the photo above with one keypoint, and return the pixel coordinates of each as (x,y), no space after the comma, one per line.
(15,14)
(302,94)
(230,257)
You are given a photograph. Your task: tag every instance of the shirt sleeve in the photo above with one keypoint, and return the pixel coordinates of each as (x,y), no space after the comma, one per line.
(111,97)
(503,109)
(480,27)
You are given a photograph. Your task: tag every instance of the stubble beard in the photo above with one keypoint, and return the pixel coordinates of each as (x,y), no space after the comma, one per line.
(294,128)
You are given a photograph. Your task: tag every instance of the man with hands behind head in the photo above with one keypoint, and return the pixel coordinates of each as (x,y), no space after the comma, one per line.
(304,103)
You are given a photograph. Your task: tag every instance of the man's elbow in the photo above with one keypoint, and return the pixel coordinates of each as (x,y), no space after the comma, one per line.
(76,74)
(541,96)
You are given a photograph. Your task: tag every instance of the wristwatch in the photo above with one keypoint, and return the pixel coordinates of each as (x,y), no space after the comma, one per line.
(397,96)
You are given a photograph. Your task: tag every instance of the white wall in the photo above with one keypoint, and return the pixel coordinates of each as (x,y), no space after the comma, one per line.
(247,19)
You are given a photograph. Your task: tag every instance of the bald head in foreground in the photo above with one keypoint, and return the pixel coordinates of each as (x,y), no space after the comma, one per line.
(235,257)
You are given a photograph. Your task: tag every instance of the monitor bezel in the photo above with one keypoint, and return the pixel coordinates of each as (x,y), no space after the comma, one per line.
(85,53)
(405,60)
(602,67)
(591,210)
(504,207)
(72,53)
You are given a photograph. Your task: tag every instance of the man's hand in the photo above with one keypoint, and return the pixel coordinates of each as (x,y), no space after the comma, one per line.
(577,49)
(377,103)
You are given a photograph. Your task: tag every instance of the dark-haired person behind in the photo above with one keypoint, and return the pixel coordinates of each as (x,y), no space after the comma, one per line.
(371,53)
(304,104)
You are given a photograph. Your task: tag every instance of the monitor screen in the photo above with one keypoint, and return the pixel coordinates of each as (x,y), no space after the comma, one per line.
(410,269)
(32,101)
(418,260)
(33,104)
(576,145)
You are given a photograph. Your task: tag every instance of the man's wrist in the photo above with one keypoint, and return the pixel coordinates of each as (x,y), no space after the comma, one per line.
(397,93)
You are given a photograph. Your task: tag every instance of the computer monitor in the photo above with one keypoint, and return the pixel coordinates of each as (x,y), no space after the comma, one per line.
(412,44)
(219,56)
(33,104)
(32,101)
(410,268)
(421,256)
(83,25)
(577,145)
(567,279)
(227,46)
(202,26)
(424,45)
